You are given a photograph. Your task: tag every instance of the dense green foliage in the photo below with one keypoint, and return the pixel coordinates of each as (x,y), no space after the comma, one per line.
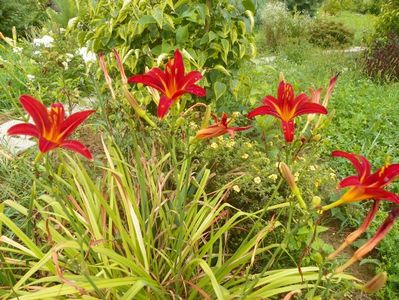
(216,36)
(21,14)
(359,6)
(278,26)
(382,60)
(388,21)
(304,6)
(330,34)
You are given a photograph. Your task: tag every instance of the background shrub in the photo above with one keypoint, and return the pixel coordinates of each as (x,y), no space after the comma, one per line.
(303,6)
(278,25)
(382,61)
(21,14)
(359,6)
(388,21)
(216,36)
(330,34)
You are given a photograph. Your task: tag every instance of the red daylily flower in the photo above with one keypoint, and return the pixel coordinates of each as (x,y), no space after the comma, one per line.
(286,107)
(219,128)
(172,82)
(366,185)
(50,126)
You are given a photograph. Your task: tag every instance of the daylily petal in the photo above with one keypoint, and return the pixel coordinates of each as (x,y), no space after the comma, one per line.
(285,92)
(37,111)
(353,158)
(380,194)
(315,95)
(384,175)
(45,145)
(310,108)
(192,77)
(210,132)
(73,121)
(263,110)
(301,99)
(178,65)
(195,90)
(330,88)
(288,130)
(147,80)
(270,100)
(78,147)
(349,181)
(24,129)
(164,105)
(240,128)
(381,232)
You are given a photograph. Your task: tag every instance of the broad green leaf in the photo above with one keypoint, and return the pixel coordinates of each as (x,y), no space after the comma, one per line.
(158,16)
(219,89)
(181,34)
(249,5)
(222,69)
(144,20)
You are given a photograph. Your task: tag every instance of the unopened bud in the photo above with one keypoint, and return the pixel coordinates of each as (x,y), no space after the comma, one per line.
(316,201)
(282,78)
(376,283)
(290,179)
(287,175)
(180,121)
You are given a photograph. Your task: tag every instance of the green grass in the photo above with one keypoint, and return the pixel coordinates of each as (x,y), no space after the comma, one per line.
(361,25)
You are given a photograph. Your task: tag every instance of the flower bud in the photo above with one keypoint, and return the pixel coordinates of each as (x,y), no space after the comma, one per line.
(287,175)
(290,179)
(316,201)
(376,283)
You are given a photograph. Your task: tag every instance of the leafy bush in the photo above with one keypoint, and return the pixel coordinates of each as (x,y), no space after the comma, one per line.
(382,60)
(359,6)
(278,25)
(21,14)
(216,36)
(388,21)
(303,6)
(330,34)
(332,7)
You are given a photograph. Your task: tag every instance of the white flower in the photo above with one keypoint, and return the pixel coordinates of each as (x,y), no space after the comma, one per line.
(62,30)
(248,145)
(30,77)
(257,180)
(87,55)
(65,64)
(236,188)
(273,177)
(37,52)
(332,175)
(214,145)
(69,57)
(17,50)
(312,168)
(245,156)
(46,41)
